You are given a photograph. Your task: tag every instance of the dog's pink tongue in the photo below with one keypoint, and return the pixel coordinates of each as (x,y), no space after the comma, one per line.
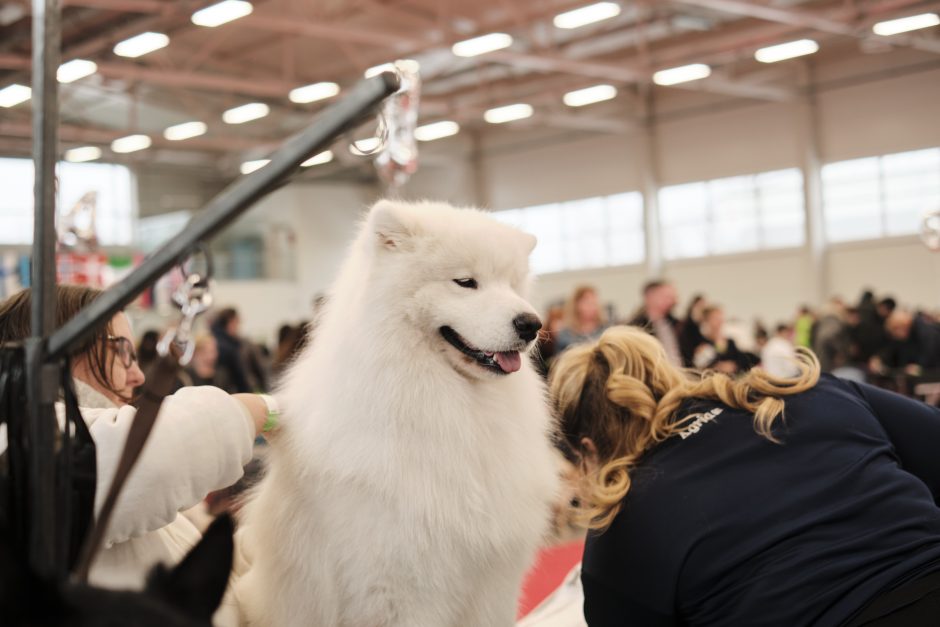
(509,362)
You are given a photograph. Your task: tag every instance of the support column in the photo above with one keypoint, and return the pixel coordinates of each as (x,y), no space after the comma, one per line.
(649,183)
(817,271)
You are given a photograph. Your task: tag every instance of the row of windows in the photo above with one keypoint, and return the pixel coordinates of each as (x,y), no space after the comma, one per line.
(862,199)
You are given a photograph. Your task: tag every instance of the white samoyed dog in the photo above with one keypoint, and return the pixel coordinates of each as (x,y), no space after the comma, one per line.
(412,477)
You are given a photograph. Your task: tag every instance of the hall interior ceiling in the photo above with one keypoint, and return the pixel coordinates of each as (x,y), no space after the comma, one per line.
(284,44)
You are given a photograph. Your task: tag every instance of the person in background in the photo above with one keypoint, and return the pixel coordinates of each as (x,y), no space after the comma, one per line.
(803,327)
(659,298)
(584,319)
(548,337)
(720,353)
(832,341)
(147,348)
(918,341)
(749,501)
(690,336)
(778,355)
(869,334)
(290,341)
(232,366)
(201,370)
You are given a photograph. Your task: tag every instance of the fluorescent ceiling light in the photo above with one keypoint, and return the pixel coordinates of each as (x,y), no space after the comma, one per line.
(222,12)
(436,130)
(85,153)
(131,143)
(185,131)
(482,44)
(246,113)
(508,113)
(905,24)
(681,74)
(589,95)
(14,94)
(250,166)
(76,69)
(587,15)
(324,157)
(410,64)
(141,44)
(789,50)
(313,92)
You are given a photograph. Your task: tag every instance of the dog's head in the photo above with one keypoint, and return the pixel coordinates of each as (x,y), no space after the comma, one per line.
(460,278)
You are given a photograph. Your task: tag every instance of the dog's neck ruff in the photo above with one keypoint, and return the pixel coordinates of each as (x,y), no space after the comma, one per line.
(503,362)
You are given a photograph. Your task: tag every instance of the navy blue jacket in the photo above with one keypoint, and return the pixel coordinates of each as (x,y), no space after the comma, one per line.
(727,528)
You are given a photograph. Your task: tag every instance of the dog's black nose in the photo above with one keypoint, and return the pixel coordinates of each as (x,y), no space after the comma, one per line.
(527,326)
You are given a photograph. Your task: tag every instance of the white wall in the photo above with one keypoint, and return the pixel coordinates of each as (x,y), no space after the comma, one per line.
(877,105)
(324,218)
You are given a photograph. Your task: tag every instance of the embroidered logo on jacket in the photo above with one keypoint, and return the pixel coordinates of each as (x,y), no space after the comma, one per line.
(696,424)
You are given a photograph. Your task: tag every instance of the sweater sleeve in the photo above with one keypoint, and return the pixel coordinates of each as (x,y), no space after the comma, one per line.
(200,442)
(913,428)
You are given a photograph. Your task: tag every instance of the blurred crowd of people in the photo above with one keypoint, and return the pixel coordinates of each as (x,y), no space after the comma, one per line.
(874,340)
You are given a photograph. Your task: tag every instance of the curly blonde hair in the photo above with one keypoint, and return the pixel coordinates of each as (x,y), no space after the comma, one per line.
(623,393)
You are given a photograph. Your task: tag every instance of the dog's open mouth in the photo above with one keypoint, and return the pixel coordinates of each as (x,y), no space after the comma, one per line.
(502,362)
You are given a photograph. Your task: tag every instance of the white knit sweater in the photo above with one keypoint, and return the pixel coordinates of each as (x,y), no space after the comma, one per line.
(200,442)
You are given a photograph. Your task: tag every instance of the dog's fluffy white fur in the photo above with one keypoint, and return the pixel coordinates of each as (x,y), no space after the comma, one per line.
(409,485)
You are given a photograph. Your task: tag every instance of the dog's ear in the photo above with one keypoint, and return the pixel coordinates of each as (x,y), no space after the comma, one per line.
(392,225)
(196,586)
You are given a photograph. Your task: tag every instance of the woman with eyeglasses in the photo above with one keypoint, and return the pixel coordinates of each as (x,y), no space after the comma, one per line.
(200,443)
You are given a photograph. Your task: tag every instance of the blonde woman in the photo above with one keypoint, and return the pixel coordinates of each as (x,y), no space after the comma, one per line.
(756,501)
(584,319)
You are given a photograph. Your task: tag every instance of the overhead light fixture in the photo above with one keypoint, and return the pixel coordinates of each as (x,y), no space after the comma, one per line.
(313,92)
(482,44)
(131,143)
(221,13)
(76,69)
(14,94)
(324,157)
(508,113)
(587,15)
(410,64)
(682,74)
(85,153)
(906,24)
(436,130)
(589,95)
(246,113)
(788,50)
(185,130)
(250,166)
(141,44)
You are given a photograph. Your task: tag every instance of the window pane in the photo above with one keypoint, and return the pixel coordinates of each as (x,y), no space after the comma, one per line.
(684,241)
(16,201)
(683,204)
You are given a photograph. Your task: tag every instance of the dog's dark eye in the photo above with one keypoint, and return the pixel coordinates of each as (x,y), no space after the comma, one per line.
(470,284)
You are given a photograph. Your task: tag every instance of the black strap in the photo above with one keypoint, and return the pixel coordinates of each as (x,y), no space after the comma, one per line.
(161,377)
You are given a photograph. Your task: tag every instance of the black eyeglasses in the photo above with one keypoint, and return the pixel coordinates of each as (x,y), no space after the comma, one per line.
(124,350)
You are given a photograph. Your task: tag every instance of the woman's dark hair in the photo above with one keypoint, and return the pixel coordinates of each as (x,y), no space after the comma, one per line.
(223,318)
(15,326)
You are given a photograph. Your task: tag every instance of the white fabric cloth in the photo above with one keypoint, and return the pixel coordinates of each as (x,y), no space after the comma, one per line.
(200,442)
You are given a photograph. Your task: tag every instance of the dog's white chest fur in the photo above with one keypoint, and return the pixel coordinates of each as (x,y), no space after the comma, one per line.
(404,490)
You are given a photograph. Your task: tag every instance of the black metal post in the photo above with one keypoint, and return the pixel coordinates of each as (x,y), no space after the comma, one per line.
(42,380)
(229,204)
